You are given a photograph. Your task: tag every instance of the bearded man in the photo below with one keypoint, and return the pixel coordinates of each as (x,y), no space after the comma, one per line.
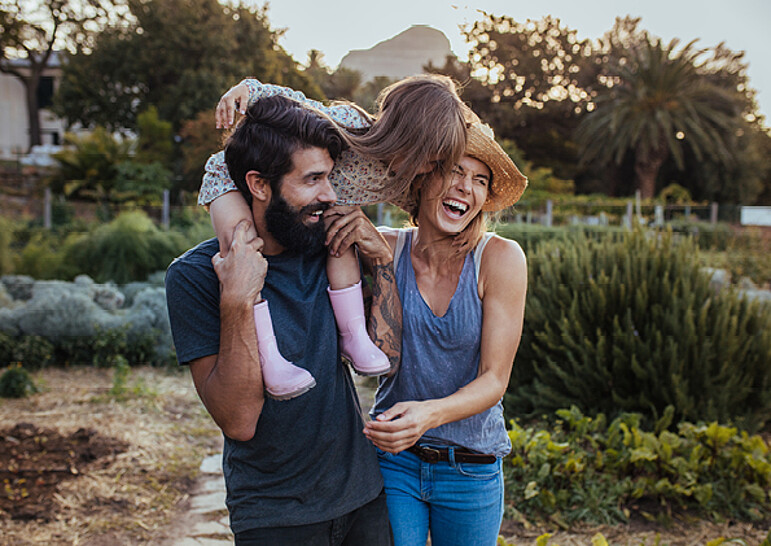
(297,471)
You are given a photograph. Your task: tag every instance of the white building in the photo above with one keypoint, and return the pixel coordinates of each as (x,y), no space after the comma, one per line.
(14,123)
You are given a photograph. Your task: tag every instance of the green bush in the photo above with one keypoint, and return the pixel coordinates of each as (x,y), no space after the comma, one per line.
(34,352)
(586,469)
(529,236)
(127,249)
(634,326)
(16,383)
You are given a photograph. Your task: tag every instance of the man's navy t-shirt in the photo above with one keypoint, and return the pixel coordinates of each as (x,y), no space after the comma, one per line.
(308,461)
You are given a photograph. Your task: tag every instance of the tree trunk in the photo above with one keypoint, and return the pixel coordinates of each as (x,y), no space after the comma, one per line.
(646,169)
(33,110)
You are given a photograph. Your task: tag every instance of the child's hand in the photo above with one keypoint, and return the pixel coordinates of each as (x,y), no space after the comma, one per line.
(237,98)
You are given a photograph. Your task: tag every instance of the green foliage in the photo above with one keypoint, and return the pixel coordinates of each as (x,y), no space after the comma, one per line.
(662,101)
(6,254)
(15,382)
(33,352)
(529,236)
(176,55)
(87,166)
(120,375)
(633,325)
(588,469)
(675,194)
(156,139)
(198,143)
(127,249)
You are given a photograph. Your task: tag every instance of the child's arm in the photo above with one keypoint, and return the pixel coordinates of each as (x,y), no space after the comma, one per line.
(217,182)
(249,91)
(226,204)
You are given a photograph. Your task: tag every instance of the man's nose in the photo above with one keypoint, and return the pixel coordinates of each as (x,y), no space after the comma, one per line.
(327,194)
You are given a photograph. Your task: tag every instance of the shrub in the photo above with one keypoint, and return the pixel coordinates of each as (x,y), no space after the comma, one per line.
(83,323)
(634,326)
(16,383)
(127,249)
(587,469)
(529,236)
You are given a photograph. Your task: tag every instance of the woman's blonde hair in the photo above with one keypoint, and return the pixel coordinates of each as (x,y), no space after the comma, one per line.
(421,123)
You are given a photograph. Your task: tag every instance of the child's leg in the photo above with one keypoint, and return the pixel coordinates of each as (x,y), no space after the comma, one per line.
(226,212)
(348,305)
(343,271)
(282,379)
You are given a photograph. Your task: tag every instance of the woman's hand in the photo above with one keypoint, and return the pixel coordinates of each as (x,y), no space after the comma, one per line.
(349,225)
(401,426)
(237,98)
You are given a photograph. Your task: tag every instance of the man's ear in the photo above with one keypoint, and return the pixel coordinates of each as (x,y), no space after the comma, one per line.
(258,186)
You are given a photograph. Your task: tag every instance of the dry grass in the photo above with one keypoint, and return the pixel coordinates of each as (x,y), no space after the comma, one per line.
(134,498)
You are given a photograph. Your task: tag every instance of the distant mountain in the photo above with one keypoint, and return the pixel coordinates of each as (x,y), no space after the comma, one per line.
(403,55)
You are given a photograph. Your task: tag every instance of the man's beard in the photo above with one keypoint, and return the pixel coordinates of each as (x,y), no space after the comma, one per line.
(284,222)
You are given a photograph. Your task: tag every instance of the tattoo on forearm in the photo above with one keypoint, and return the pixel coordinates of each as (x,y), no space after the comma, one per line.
(386,320)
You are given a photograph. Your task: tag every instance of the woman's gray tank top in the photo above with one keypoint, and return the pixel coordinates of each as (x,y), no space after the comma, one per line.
(441,354)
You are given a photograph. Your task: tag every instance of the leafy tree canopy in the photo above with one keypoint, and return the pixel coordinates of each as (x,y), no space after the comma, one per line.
(176,55)
(32,30)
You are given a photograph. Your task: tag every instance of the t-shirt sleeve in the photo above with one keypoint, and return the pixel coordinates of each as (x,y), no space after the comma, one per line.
(192,297)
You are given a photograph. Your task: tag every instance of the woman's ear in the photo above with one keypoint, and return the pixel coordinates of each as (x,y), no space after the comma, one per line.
(258,186)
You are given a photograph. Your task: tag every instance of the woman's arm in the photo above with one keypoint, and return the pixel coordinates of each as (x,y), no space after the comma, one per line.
(503,287)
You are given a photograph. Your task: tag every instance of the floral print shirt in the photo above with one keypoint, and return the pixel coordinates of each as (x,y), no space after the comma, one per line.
(356,179)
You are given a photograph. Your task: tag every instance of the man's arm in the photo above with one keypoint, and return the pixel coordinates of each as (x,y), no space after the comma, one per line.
(385,320)
(230,382)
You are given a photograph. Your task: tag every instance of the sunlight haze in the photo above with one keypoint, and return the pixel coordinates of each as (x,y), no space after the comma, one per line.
(360,24)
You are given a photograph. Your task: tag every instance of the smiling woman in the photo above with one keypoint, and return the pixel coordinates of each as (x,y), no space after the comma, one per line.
(437,420)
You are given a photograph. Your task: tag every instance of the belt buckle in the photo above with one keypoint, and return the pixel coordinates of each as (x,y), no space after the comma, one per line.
(430,454)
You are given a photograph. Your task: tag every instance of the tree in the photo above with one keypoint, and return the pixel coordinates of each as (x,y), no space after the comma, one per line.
(539,76)
(659,101)
(32,31)
(177,55)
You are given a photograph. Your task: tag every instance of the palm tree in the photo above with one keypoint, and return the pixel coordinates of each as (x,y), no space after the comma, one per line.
(658,100)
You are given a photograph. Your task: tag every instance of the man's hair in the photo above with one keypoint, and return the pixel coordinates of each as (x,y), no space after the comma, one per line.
(267,136)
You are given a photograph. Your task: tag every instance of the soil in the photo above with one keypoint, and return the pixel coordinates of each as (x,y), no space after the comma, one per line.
(82,465)
(36,460)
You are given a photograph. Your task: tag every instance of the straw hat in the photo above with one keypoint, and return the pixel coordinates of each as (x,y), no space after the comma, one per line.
(508,182)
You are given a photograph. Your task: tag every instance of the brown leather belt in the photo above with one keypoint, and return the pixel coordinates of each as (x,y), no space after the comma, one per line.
(442,454)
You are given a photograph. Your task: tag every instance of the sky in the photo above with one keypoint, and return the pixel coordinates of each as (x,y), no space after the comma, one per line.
(359,24)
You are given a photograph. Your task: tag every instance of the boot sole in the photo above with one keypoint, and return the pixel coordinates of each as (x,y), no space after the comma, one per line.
(294,394)
(366,374)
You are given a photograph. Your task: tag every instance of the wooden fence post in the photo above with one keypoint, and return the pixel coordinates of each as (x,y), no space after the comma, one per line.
(47,208)
(549,210)
(165,214)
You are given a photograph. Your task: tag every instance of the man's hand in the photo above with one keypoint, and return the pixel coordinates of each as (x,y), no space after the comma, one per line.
(237,97)
(349,225)
(242,272)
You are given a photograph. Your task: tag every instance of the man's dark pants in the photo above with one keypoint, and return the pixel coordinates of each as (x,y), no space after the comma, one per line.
(365,526)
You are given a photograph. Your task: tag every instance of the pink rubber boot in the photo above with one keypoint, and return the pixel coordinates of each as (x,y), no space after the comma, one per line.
(282,379)
(355,343)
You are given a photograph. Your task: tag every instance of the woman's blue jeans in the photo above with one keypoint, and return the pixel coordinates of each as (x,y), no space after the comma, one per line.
(459,503)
